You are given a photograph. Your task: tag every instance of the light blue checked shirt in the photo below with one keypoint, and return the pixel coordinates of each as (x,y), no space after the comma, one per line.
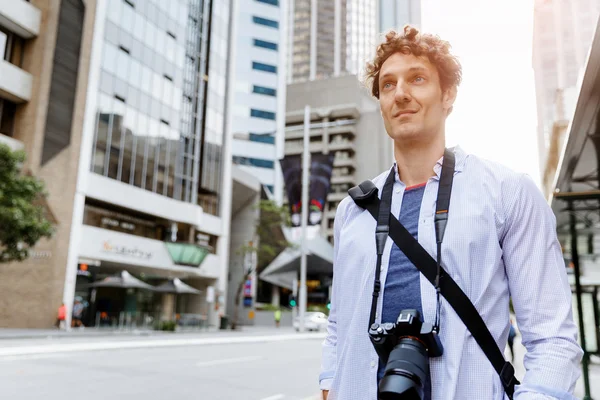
(500,242)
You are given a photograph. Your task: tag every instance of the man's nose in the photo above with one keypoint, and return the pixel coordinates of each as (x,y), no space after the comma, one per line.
(402,94)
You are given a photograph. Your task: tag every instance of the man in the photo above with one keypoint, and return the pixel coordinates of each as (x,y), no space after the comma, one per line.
(500,242)
(62,316)
(77,313)
(277,315)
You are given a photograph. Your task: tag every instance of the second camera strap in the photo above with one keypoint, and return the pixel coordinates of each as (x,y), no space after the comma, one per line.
(441,218)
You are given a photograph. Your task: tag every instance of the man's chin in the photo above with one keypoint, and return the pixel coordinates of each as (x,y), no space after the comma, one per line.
(403,135)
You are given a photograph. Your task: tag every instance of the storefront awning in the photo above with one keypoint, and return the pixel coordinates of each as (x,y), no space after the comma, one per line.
(176,286)
(578,172)
(186,253)
(123,280)
(286,266)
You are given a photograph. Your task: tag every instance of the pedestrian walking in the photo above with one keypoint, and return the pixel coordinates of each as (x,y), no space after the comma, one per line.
(77,313)
(512,333)
(277,317)
(61,316)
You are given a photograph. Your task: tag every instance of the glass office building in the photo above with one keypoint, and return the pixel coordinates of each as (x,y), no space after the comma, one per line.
(161,103)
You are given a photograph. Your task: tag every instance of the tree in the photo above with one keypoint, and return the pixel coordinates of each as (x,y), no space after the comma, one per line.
(271,242)
(22,219)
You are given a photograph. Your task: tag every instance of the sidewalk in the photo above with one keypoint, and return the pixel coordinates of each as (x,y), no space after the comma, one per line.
(74,333)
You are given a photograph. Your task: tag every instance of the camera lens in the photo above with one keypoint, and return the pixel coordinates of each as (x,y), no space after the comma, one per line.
(405,372)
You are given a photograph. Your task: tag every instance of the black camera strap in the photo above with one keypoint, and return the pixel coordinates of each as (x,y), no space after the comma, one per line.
(365,196)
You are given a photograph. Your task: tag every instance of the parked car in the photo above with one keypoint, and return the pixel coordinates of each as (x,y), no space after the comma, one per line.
(313,321)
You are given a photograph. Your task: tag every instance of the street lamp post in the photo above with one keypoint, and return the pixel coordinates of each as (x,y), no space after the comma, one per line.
(305,182)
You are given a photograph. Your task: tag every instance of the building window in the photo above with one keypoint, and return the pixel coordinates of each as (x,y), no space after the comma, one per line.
(264,90)
(254,162)
(265,45)
(266,22)
(7,117)
(11,47)
(264,67)
(270,2)
(270,187)
(262,114)
(268,138)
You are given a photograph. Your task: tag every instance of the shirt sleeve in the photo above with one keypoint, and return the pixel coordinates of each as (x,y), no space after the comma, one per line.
(541,296)
(329,356)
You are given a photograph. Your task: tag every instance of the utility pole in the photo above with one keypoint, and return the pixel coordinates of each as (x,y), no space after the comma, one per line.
(305,183)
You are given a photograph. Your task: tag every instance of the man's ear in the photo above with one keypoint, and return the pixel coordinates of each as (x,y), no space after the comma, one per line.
(448,99)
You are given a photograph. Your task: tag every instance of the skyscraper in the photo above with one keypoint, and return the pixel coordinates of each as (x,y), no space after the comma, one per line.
(394,14)
(562,35)
(259,88)
(135,149)
(338,42)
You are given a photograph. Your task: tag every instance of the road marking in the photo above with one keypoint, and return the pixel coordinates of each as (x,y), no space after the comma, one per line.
(228,361)
(34,357)
(140,344)
(275,397)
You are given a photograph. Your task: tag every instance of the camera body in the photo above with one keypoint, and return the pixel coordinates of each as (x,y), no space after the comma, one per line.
(405,347)
(408,325)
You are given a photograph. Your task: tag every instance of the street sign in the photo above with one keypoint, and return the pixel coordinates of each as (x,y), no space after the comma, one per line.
(210,294)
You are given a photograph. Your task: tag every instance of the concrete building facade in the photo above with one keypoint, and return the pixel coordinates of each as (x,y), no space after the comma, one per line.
(43,80)
(154,182)
(123,107)
(345,120)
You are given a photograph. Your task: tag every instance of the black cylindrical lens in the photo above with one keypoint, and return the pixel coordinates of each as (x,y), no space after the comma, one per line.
(405,372)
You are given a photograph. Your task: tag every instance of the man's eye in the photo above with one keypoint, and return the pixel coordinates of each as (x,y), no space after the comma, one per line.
(387,85)
(419,79)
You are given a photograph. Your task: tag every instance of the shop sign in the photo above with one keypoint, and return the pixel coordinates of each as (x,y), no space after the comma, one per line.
(135,252)
(248,288)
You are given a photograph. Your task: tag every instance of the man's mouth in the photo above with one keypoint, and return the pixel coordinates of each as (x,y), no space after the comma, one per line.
(404,113)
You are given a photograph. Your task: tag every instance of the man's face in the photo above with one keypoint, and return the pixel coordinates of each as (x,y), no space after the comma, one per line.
(413,106)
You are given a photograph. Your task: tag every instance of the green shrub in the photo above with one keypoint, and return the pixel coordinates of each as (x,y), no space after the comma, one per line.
(168,326)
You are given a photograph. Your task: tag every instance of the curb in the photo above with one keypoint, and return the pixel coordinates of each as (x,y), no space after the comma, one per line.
(156,343)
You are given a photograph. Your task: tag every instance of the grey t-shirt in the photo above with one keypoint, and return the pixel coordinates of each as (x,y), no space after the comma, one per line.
(402,285)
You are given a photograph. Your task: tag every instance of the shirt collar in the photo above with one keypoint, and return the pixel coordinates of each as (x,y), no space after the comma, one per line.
(460,159)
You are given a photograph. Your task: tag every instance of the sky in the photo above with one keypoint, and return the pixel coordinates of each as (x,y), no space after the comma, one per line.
(494,115)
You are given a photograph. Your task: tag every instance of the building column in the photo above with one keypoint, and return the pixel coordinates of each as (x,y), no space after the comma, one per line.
(275,296)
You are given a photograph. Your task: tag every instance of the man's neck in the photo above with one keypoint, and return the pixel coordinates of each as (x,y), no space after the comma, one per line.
(415,163)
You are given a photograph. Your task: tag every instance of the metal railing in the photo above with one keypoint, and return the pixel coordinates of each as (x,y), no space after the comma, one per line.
(129,321)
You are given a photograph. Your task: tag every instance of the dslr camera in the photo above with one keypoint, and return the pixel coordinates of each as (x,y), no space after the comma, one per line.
(405,348)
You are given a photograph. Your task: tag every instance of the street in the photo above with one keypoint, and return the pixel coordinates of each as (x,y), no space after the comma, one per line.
(260,370)
(254,364)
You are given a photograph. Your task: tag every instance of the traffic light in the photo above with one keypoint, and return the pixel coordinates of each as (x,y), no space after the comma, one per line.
(293,302)
(329,304)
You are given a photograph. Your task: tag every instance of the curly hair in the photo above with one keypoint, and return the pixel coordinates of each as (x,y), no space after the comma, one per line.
(412,42)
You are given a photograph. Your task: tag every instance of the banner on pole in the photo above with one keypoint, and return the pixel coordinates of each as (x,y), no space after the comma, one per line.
(291,167)
(321,168)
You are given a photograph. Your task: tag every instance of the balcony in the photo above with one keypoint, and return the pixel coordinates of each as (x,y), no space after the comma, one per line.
(317,129)
(341,145)
(20,17)
(12,143)
(349,178)
(15,84)
(296,147)
(343,162)
(336,196)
